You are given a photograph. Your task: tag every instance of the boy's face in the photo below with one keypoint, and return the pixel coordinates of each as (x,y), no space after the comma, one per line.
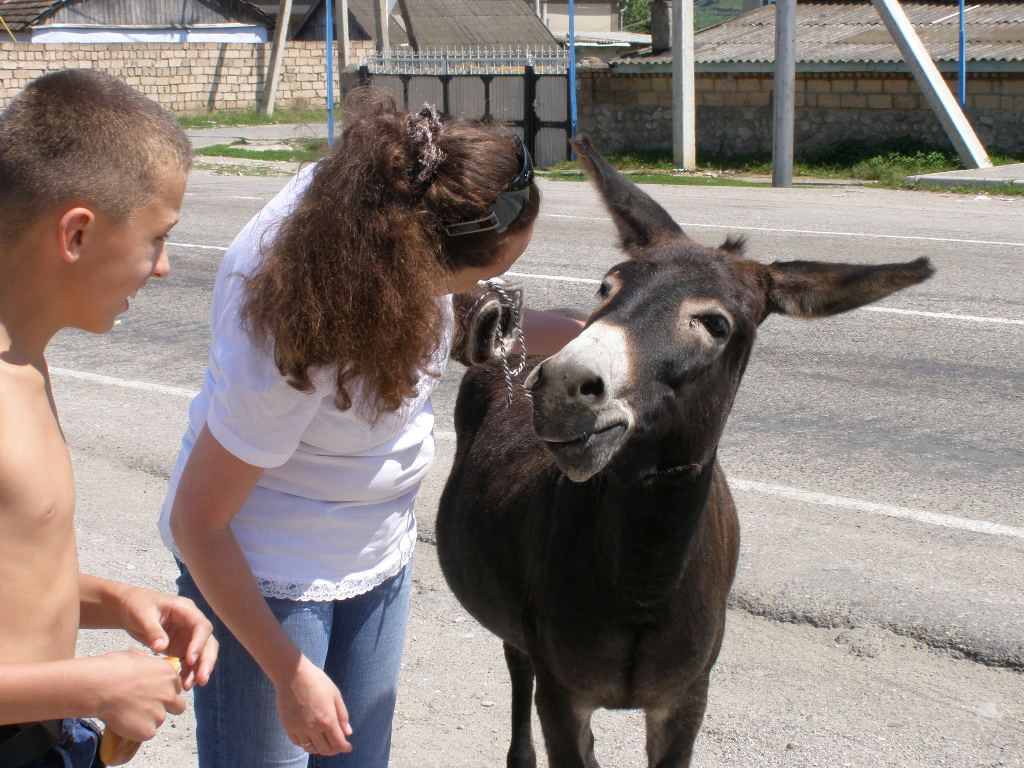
(117,258)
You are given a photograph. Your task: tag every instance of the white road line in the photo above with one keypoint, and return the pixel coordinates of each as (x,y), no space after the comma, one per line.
(196,245)
(945,315)
(796,494)
(242,197)
(591,281)
(828,500)
(904,513)
(803,231)
(556,278)
(126,383)
(890,310)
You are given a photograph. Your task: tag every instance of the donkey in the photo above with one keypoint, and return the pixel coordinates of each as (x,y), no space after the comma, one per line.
(590,527)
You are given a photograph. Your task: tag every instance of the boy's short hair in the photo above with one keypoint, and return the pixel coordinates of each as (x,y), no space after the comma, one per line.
(81,134)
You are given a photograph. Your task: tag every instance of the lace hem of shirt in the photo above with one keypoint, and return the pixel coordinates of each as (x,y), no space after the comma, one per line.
(322,591)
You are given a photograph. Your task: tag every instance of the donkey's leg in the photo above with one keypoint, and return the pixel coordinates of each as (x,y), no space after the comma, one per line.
(521,753)
(672,731)
(567,736)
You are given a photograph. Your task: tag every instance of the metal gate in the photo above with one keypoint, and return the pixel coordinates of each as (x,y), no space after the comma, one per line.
(527,91)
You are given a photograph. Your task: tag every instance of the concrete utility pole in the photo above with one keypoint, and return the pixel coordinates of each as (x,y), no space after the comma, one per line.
(341,24)
(684,95)
(403,7)
(380,21)
(284,12)
(930,81)
(784,93)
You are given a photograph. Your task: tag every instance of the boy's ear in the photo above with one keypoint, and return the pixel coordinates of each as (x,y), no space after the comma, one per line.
(71,229)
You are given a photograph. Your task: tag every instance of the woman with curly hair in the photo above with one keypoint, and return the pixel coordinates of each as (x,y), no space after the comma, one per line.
(290,508)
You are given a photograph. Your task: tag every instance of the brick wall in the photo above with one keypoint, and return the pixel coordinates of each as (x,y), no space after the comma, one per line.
(184,77)
(734,110)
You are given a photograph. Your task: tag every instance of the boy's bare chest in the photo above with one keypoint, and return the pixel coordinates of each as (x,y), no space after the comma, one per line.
(38,558)
(37,489)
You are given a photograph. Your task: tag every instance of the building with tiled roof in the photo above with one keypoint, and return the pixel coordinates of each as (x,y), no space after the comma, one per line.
(125,21)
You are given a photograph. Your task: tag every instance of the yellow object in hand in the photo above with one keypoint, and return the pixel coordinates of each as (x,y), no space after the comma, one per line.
(115,749)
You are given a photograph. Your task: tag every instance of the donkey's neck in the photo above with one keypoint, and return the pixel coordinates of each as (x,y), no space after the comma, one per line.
(653,526)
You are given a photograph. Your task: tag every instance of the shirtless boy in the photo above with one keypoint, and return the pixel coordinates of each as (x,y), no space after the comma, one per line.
(92,176)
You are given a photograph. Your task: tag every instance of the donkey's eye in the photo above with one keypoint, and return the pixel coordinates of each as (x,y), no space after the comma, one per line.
(604,289)
(717,325)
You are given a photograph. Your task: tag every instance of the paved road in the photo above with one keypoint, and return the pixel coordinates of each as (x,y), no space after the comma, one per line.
(877,459)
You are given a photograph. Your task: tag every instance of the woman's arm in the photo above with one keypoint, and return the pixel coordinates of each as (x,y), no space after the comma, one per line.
(546,333)
(213,487)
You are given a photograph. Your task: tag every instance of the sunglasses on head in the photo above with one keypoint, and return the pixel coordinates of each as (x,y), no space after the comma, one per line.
(506,208)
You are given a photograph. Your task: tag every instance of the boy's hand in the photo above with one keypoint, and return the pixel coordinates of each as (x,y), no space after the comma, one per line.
(173,626)
(135,691)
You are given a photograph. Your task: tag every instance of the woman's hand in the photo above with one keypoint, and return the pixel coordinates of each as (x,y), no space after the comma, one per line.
(172,626)
(312,712)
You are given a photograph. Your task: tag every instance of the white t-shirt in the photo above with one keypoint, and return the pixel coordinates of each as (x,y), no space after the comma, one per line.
(332,514)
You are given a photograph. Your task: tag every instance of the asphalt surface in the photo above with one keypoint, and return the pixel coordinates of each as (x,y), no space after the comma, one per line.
(877,460)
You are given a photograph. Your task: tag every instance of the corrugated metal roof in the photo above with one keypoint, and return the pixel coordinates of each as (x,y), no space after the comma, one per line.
(853,32)
(22,15)
(438,24)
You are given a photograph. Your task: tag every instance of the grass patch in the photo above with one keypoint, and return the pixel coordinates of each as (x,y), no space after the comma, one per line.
(887,164)
(222,169)
(301,151)
(232,119)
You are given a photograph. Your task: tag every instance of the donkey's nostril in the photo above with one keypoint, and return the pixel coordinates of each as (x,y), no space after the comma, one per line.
(592,387)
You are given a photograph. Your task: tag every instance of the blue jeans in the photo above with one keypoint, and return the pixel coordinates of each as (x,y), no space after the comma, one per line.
(358,642)
(77,747)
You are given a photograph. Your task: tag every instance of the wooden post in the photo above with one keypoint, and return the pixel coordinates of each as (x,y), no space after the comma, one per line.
(784,93)
(284,11)
(380,21)
(684,94)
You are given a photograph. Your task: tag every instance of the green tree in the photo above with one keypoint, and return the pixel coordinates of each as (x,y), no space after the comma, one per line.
(636,16)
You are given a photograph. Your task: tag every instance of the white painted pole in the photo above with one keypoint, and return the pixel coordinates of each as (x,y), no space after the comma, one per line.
(930,81)
(784,93)
(684,95)
(341,24)
(284,11)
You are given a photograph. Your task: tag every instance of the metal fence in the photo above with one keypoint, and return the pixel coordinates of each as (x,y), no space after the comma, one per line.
(468,61)
(526,89)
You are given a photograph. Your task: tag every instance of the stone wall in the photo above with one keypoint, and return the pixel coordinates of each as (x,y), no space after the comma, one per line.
(183,77)
(621,111)
(734,115)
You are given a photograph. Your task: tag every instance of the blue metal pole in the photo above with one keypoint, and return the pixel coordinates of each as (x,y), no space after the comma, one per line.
(962,68)
(329,35)
(572,69)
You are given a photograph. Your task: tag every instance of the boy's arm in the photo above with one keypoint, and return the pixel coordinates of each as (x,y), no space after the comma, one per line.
(165,623)
(130,690)
(49,690)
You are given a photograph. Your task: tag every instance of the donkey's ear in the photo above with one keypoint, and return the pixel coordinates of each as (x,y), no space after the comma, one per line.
(639,219)
(816,289)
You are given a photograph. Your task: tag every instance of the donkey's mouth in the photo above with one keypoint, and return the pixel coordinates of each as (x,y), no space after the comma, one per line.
(586,438)
(581,457)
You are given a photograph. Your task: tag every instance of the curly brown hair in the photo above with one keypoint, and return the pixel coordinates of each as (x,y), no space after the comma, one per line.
(352,276)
